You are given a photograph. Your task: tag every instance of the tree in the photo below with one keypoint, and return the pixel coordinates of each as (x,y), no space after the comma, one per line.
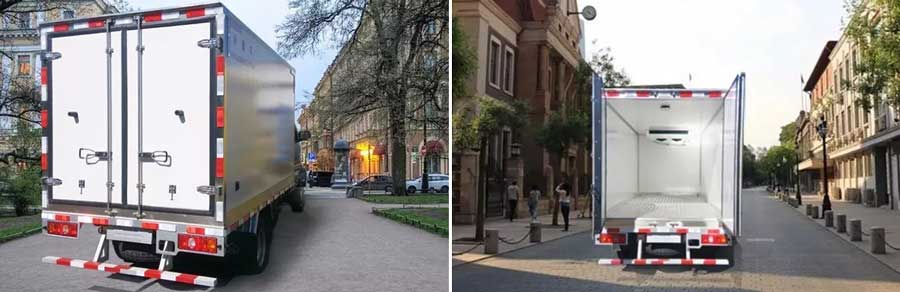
(603,63)
(465,63)
(788,135)
(394,62)
(874,28)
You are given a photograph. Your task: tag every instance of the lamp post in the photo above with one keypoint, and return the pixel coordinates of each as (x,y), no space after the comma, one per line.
(822,128)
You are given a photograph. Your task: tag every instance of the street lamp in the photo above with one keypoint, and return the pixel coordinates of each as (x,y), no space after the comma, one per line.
(822,128)
(588,12)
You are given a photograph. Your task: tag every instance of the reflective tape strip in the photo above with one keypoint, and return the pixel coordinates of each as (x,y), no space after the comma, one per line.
(100,221)
(133,271)
(44,198)
(85,219)
(79,25)
(96,23)
(149,225)
(195,12)
(220,147)
(171,15)
(43,89)
(664,262)
(44,144)
(215,232)
(167,227)
(195,230)
(60,27)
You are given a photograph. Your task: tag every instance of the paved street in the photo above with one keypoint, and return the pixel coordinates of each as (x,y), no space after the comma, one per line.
(336,244)
(780,251)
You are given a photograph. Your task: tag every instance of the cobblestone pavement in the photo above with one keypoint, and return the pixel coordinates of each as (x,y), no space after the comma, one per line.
(336,244)
(780,251)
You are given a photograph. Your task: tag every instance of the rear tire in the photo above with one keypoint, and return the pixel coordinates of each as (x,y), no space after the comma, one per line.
(445,189)
(253,256)
(136,252)
(627,251)
(411,190)
(296,200)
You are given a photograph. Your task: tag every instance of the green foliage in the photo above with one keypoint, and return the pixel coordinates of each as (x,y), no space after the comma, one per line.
(408,200)
(492,115)
(788,134)
(562,131)
(602,63)
(878,42)
(465,63)
(779,161)
(752,174)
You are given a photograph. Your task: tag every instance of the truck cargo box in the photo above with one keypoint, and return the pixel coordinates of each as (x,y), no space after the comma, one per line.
(183,114)
(667,161)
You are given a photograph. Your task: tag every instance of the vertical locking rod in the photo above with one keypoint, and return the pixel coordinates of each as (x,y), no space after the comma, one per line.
(109,161)
(140,111)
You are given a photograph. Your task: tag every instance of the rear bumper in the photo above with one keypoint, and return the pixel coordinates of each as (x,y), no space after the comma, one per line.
(134,271)
(665,262)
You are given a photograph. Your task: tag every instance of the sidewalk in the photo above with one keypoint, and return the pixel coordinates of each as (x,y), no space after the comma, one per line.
(513,231)
(882,217)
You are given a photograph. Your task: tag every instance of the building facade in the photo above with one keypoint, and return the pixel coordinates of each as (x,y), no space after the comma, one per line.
(20,45)
(863,146)
(526,51)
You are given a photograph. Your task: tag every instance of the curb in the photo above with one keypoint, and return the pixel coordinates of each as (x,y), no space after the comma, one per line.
(432,228)
(516,249)
(21,234)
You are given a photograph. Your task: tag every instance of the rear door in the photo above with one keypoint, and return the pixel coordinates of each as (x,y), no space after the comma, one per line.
(177,116)
(77,105)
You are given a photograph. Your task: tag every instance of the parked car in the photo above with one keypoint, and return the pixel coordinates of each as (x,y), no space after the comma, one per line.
(320,178)
(376,183)
(436,183)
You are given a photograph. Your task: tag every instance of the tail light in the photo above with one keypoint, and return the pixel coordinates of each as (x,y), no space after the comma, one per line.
(198,243)
(612,238)
(64,229)
(714,239)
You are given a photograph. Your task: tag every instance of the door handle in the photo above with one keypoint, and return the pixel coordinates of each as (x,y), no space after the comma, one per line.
(74,115)
(180,114)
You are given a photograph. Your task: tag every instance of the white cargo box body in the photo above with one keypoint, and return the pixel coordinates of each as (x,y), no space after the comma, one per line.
(667,161)
(214,116)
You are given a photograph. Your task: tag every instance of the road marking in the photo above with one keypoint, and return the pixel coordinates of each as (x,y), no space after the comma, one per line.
(760,240)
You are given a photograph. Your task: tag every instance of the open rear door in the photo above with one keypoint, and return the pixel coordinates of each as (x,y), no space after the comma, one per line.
(178,117)
(598,155)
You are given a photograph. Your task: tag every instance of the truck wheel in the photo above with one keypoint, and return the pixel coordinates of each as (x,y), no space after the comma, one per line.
(254,248)
(135,252)
(296,200)
(627,251)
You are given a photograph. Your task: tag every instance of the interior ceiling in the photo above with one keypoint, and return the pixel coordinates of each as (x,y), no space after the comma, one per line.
(689,114)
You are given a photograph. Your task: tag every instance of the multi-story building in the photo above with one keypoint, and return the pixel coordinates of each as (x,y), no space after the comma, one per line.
(526,51)
(20,45)
(808,140)
(367,132)
(863,146)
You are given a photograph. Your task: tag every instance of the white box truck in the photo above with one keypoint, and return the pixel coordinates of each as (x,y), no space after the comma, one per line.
(666,168)
(171,131)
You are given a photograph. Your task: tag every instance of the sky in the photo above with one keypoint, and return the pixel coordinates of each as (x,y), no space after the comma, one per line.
(262,17)
(773,41)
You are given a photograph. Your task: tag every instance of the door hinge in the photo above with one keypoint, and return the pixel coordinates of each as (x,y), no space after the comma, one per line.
(49,181)
(50,56)
(210,43)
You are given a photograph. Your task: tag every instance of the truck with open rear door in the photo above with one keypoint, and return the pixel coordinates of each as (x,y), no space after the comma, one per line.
(667,173)
(171,131)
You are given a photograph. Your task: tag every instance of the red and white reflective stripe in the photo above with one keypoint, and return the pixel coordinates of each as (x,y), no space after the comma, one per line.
(663,93)
(679,230)
(205,231)
(134,271)
(664,262)
(61,27)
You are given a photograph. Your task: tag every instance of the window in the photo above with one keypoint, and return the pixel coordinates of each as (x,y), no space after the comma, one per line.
(24,20)
(509,71)
(24,64)
(68,14)
(494,63)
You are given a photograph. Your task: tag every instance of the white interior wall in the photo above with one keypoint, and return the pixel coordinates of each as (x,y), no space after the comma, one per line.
(669,169)
(622,156)
(711,161)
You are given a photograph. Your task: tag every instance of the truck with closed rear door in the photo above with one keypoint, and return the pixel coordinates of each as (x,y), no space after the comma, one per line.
(666,179)
(170,132)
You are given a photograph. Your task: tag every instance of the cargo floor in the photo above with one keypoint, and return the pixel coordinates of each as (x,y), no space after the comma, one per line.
(664,206)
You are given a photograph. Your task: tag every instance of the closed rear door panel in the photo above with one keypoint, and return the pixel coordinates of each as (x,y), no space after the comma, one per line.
(78,89)
(176,116)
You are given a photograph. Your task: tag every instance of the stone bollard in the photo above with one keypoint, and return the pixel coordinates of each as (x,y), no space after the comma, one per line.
(491,241)
(841,224)
(829,218)
(809,209)
(535,233)
(815,212)
(877,239)
(855,230)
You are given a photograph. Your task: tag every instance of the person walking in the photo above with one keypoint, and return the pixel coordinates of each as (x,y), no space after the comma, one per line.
(534,197)
(512,194)
(565,200)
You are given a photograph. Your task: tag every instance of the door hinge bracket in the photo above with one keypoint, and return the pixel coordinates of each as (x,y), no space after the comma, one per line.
(50,56)
(50,181)
(211,43)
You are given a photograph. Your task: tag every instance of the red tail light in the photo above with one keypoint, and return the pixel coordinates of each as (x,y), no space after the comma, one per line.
(714,239)
(65,229)
(198,243)
(612,238)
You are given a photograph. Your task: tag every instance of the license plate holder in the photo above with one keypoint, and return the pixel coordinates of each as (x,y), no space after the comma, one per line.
(130,236)
(656,238)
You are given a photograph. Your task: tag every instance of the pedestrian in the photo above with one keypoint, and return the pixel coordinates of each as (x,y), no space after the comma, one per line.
(534,196)
(565,200)
(512,194)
